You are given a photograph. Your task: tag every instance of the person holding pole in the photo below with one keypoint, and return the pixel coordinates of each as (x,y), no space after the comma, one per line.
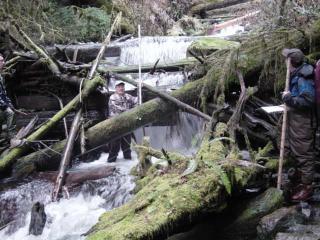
(300,129)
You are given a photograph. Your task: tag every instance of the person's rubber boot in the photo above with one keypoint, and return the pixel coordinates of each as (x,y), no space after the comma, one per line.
(302,193)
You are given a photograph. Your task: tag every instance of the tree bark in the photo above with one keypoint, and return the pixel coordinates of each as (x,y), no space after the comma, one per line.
(199,9)
(183,106)
(65,161)
(252,62)
(9,158)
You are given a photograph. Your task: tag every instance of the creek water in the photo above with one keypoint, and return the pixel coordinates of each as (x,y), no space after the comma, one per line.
(68,219)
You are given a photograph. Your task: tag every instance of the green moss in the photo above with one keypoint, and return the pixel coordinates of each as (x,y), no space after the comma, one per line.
(209,45)
(265,203)
(164,200)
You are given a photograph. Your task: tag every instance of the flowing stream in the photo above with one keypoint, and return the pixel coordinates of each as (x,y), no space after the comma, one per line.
(68,219)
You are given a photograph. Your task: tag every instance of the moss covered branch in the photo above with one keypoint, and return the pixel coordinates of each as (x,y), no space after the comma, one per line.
(9,158)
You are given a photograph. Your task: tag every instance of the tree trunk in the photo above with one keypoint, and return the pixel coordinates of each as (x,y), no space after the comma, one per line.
(199,9)
(9,158)
(252,61)
(66,157)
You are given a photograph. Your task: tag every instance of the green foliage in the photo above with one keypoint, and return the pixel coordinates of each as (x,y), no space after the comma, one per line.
(47,21)
(82,23)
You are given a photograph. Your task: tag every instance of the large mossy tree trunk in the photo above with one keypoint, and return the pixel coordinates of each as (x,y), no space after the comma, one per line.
(174,199)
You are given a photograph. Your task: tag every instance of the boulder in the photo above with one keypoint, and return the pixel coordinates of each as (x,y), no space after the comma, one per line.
(279,221)
(296,236)
(245,224)
(38,219)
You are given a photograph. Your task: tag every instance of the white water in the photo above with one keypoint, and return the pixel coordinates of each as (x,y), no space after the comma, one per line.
(164,81)
(167,49)
(70,218)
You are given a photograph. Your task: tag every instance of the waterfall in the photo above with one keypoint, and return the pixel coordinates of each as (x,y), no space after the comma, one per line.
(69,218)
(167,49)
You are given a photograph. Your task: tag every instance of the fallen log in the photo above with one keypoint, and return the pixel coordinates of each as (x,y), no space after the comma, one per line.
(252,52)
(54,68)
(65,161)
(169,67)
(67,152)
(183,106)
(9,158)
(77,177)
(161,202)
(201,8)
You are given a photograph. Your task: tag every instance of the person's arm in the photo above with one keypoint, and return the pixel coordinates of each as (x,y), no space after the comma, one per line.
(306,97)
(133,100)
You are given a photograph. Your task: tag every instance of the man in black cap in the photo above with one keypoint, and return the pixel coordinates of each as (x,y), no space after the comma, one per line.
(300,132)
(120,102)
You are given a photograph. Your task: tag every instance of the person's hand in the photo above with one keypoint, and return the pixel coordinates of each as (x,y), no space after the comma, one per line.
(285,94)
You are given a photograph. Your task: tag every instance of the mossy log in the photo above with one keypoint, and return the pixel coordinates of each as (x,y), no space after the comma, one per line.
(175,198)
(200,8)
(207,45)
(9,158)
(169,67)
(169,201)
(251,60)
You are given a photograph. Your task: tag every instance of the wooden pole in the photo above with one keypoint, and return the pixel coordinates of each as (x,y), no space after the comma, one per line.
(140,77)
(104,46)
(66,155)
(9,158)
(181,105)
(284,128)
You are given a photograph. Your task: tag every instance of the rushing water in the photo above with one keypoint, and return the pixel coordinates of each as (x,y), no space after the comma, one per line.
(68,219)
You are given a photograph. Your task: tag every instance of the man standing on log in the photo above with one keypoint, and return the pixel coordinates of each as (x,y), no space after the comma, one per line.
(6,108)
(300,131)
(120,102)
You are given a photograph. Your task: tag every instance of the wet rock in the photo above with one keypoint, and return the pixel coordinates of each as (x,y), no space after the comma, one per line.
(38,219)
(296,236)
(245,224)
(305,229)
(279,221)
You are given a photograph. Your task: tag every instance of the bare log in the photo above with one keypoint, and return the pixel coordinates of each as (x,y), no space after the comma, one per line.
(41,53)
(183,106)
(78,177)
(65,161)
(199,9)
(96,62)
(8,159)
(169,67)
(61,107)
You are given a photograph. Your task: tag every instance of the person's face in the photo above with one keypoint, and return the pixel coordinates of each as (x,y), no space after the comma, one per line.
(1,62)
(120,89)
